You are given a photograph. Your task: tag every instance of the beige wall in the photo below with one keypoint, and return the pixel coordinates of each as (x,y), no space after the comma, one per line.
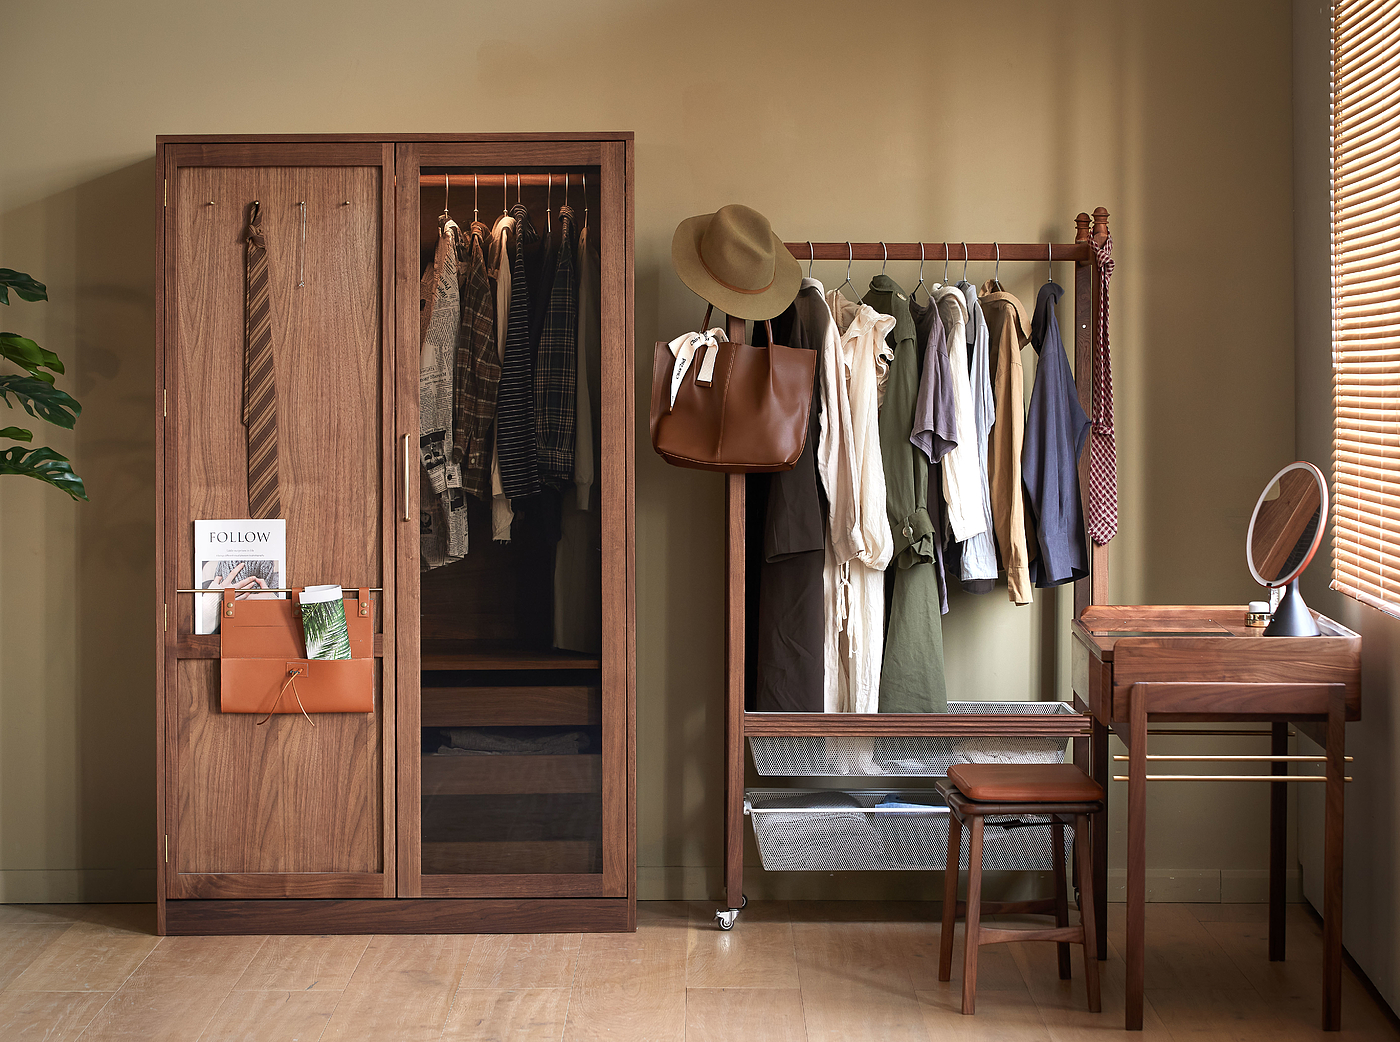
(1371,863)
(926,120)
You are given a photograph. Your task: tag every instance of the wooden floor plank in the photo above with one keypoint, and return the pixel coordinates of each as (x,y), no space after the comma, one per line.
(48,1016)
(303,964)
(513,961)
(402,989)
(747,1014)
(508,1015)
(86,957)
(271,1016)
(756,955)
(855,982)
(21,943)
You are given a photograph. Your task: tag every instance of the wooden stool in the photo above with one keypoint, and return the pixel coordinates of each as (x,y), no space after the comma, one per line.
(1068,796)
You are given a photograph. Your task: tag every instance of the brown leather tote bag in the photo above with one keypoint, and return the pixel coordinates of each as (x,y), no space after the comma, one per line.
(750,417)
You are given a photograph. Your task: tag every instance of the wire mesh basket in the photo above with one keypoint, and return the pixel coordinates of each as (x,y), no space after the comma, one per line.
(908,755)
(884,830)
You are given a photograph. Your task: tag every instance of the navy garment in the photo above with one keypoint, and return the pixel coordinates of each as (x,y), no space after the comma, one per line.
(1056,429)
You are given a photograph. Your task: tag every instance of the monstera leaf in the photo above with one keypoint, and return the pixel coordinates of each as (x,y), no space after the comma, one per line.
(46,465)
(28,355)
(25,287)
(40,398)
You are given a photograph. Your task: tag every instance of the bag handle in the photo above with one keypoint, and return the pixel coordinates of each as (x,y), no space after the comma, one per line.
(709,309)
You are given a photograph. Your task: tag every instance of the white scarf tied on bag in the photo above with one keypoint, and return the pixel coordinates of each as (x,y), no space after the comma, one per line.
(684,349)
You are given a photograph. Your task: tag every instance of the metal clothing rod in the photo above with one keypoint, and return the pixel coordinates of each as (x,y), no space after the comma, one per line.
(934,251)
(466,182)
(220,589)
(1242,759)
(1231,777)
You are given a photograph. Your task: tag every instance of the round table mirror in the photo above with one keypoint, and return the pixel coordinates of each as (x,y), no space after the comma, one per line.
(1284,533)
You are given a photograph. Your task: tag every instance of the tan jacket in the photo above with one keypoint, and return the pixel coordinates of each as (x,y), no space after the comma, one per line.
(1008,328)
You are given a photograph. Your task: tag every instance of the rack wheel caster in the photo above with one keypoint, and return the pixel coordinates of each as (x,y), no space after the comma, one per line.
(725,917)
(743,901)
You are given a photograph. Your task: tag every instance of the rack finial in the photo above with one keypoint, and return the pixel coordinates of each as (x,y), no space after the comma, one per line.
(1081,228)
(1100,225)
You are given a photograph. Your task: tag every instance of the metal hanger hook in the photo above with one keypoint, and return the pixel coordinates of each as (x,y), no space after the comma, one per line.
(1050,262)
(886,259)
(476,196)
(548,206)
(964,246)
(849,257)
(519,199)
(505,196)
(996,272)
(921,265)
(811,256)
(945,264)
(446,191)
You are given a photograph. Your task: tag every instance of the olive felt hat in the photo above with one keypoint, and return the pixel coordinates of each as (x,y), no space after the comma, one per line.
(733,260)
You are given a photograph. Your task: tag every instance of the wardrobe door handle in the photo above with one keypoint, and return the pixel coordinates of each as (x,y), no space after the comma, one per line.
(406,489)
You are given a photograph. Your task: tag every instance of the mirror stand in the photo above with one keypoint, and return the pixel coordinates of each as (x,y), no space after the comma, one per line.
(1292,617)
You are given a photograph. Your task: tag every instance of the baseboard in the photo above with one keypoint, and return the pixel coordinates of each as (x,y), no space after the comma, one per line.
(1206,885)
(1165,885)
(77,885)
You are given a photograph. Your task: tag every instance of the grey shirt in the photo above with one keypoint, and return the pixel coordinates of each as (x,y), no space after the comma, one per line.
(1056,428)
(935,425)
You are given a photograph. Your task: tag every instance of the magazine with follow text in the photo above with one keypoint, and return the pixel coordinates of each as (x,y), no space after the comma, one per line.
(249,555)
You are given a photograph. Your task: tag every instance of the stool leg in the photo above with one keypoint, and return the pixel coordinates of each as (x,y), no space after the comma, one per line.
(1057,854)
(972,934)
(1086,914)
(950,898)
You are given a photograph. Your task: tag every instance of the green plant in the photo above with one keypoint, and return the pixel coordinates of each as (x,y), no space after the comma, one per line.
(38,396)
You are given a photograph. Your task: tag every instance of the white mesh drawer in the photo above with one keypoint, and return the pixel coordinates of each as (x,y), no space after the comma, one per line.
(826,830)
(908,755)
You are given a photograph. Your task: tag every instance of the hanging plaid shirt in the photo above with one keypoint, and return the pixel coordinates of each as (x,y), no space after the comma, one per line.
(515,413)
(556,366)
(478,371)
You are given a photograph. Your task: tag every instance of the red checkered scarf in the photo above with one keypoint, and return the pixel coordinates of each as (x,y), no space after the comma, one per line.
(1102,522)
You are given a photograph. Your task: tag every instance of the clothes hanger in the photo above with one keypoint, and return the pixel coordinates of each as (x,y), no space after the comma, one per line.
(505,197)
(849,258)
(945,264)
(446,191)
(585,199)
(964,275)
(996,272)
(548,205)
(915,290)
(811,256)
(476,198)
(886,259)
(1050,262)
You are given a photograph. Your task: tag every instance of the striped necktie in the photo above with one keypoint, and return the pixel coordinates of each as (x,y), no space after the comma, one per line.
(260,380)
(1102,522)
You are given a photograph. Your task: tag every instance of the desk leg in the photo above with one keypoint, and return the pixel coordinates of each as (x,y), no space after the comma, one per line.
(1134,956)
(1278,847)
(1332,864)
(1099,840)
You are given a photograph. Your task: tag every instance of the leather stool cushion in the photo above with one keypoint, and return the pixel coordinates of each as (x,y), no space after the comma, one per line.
(1025,782)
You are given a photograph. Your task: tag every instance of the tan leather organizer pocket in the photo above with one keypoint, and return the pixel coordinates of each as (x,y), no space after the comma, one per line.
(261,669)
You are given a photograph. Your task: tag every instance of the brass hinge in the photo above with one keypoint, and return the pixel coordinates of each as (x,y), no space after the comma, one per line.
(166,624)
(167,850)
(164,403)
(165,192)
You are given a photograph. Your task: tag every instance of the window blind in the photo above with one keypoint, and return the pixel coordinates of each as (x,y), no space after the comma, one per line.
(1366,301)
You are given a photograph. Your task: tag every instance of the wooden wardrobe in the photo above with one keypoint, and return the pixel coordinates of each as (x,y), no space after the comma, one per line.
(360,824)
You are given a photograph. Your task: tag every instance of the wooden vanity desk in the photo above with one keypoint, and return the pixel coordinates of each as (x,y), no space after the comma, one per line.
(1140,664)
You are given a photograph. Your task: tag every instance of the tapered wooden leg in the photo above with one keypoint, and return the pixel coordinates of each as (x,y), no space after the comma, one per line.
(1057,854)
(950,898)
(1332,865)
(1086,911)
(1134,956)
(1098,749)
(1278,847)
(971,929)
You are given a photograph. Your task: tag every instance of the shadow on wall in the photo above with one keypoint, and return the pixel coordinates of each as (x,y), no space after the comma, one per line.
(78,766)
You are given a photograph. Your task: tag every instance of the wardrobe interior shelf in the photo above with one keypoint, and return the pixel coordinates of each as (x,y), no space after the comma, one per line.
(206,645)
(442,654)
(533,857)
(449,775)
(511,706)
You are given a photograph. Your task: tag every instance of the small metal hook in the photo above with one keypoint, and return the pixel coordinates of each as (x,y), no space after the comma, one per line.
(1050,262)
(519,200)
(886,259)
(921,271)
(945,264)
(505,196)
(566,188)
(585,198)
(476,197)
(996,273)
(811,256)
(549,205)
(446,191)
(964,277)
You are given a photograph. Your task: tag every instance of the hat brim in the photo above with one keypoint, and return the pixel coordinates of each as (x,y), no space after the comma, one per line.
(772,301)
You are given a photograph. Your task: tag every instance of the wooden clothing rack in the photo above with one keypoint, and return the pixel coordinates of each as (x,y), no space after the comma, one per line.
(1093,589)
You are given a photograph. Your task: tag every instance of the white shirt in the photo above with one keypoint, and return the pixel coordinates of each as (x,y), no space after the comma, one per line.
(855,588)
(962,481)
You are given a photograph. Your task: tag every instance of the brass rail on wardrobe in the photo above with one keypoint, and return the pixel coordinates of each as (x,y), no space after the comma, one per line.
(956,252)
(493,180)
